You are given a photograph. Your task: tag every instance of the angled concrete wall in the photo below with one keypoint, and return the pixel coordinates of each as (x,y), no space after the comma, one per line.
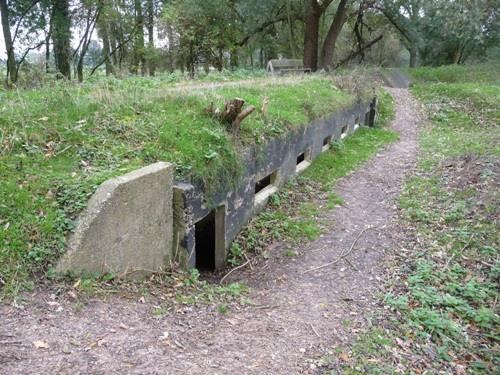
(127,226)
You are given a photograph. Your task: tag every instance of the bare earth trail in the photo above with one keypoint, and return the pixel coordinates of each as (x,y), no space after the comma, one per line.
(297,316)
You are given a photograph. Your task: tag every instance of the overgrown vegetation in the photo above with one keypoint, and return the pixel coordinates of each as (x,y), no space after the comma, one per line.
(292,214)
(58,144)
(443,289)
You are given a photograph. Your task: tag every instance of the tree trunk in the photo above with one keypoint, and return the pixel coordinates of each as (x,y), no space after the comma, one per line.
(151,42)
(234,61)
(291,35)
(113,43)
(220,59)
(62,37)
(139,59)
(338,22)
(413,56)
(311,36)
(103,31)
(47,40)
(9,46)
(191,64)
(171,48)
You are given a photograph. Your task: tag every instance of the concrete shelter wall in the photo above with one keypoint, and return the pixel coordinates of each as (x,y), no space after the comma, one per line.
(279,155)
(126,228)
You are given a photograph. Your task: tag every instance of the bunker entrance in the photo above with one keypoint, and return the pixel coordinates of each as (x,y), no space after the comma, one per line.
(209,240)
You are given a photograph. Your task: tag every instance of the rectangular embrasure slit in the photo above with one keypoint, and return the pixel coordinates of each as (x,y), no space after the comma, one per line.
(262,184)
(326,143)
(343,133)
(265,187)
(303,160)
(356,123)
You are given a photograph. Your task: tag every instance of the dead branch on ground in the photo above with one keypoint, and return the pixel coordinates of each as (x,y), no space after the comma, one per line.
(342,255)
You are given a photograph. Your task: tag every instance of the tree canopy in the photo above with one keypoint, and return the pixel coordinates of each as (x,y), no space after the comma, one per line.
(77,38)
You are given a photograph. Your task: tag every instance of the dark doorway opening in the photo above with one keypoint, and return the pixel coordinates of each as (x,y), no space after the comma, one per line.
(205,242)
(301,158)
(263,183)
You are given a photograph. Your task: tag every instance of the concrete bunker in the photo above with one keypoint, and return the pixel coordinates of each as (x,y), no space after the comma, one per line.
(199,229)
(209,243)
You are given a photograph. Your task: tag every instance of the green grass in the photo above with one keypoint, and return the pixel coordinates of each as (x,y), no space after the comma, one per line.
(58,143)
(444,288)
(292,214)
(489,73)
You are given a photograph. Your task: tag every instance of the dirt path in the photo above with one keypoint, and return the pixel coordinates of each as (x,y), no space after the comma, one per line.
(298,315)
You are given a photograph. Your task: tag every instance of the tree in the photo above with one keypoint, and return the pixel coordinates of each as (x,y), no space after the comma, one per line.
(139,52)
(61,37)
(311,35)
(150,9)
(333,33)
(405,16)
(442,31)
(90,13)
(205,32)
(22,22)
(9,45)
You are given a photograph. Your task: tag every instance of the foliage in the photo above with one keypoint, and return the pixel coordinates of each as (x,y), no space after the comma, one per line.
(444,32)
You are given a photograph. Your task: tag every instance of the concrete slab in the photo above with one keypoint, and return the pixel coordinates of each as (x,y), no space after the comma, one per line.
(127,226)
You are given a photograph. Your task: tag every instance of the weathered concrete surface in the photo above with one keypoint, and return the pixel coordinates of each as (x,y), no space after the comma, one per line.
(127,226)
